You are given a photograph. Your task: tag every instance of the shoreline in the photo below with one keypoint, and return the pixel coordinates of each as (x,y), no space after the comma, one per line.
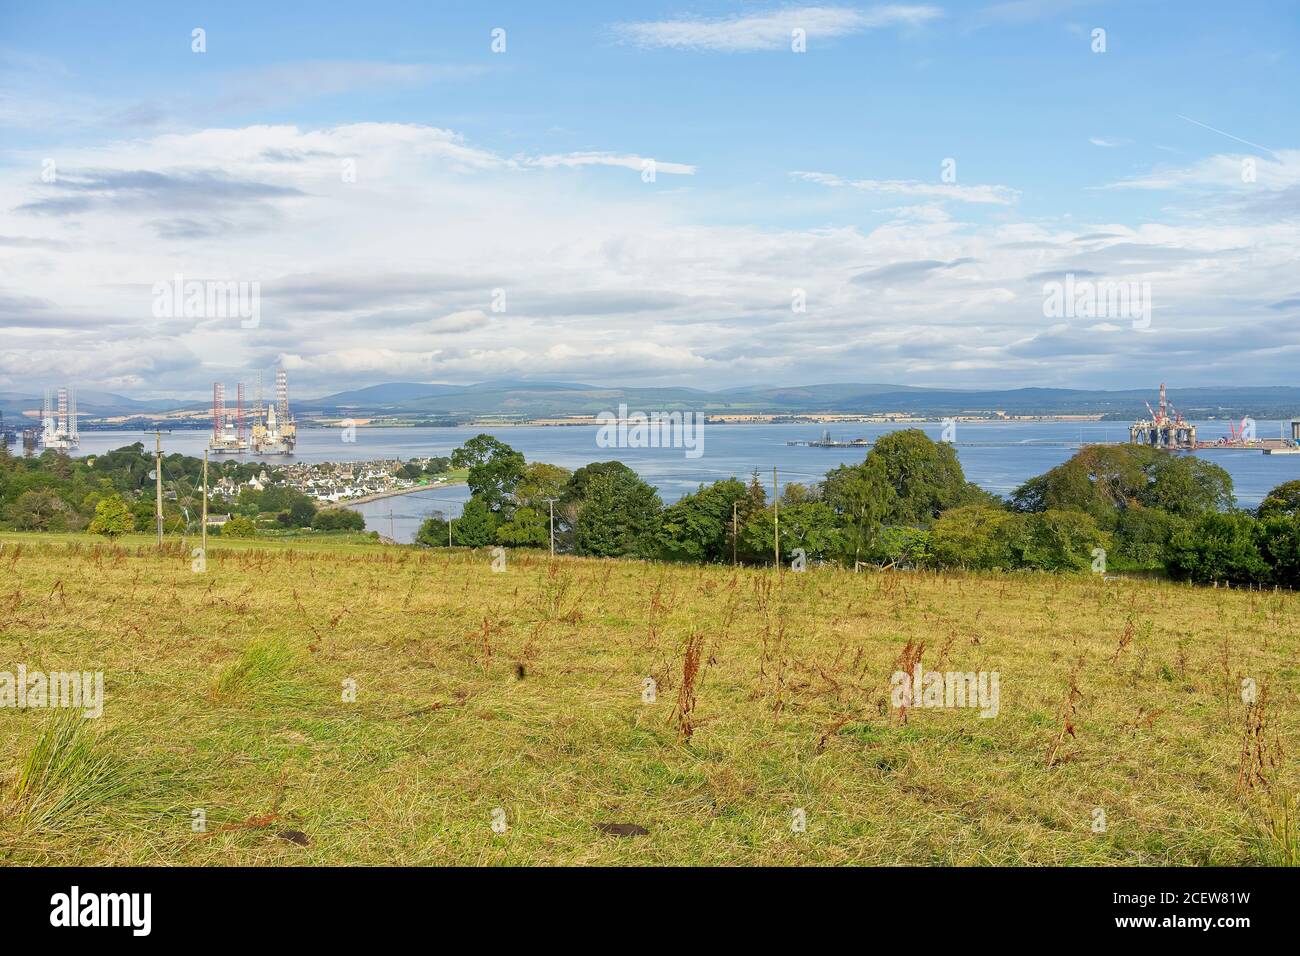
(379,496)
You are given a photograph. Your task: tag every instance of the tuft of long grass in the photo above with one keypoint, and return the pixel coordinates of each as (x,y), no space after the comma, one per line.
(63,774)
(1281,833)
(261,672)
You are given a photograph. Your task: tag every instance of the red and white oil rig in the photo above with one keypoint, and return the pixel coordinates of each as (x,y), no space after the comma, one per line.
(1165,428)
(272,430)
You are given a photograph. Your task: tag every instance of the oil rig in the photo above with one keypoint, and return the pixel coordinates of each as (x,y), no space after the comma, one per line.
(1165,428)
(273,430)
(228,433)
(59,419)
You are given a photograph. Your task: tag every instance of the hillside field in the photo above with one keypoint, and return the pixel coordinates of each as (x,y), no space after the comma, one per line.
(520,697)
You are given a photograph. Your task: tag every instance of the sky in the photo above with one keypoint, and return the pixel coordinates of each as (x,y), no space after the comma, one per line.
(707,194)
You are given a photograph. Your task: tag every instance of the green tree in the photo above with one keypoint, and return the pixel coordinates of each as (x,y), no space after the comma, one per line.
(433,531)
(925,477)
(338,519)
(1279,545)
(698,527)
(1056,540)
(1099,479)
(541,481)
(476,527)
(976,537)
(239,527)
(1282,501)
(617,514)
(1218,547)
(811,526)
(495,469)
(527,527)
(1187,486)
(112,517)
(903,546)
(864,499)
(1141,536)
(39,509)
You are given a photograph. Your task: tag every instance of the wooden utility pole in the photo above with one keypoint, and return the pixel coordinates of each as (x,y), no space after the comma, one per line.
(205,505)
(733,532)
(551,502)
(776,521)
(157,466)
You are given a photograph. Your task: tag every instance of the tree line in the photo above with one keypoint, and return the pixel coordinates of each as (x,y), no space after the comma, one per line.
(906,505)
(115,493)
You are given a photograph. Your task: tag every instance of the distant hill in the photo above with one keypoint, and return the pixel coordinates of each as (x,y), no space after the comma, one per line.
(90,404)
(519,400)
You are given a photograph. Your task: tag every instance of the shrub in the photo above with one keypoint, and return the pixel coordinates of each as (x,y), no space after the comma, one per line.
(112,517)
(338,519)
(1142,535)
(1058,540)
(239,527)
(976,537)
(1219,547)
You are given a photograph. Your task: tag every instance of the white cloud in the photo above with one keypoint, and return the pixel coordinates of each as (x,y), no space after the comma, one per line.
(771,30)
(394,276)
(999,195)
(1223,171)
(627,161)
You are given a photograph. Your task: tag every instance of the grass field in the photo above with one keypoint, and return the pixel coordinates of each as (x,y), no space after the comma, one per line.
(522,692)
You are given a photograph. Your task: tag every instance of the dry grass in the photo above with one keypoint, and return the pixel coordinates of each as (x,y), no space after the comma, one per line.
(224,692)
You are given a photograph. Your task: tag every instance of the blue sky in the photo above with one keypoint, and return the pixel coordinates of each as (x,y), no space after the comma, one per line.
(776,171)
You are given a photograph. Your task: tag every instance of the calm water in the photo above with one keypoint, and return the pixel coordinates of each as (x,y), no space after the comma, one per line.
(728,450)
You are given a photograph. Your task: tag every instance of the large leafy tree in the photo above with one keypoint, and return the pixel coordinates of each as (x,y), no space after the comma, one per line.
(527,527)
(977,537)
(1141,535)
(1284,500)
(864,500)
(699,526)
(924,476)
(616,515)
(39,509)
(1056,540)
(1187,486)
(495,470)
(1099,480)
(541,481)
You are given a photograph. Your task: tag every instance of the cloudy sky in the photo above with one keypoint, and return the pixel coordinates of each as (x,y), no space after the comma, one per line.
(649,193)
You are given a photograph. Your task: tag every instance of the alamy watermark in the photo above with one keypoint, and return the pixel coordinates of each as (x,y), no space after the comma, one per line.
(653,430)
(69,690)
(1086,299)
(946,691)
(208,299)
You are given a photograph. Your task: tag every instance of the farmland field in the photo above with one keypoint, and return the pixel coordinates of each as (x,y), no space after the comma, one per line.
(1124,733)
